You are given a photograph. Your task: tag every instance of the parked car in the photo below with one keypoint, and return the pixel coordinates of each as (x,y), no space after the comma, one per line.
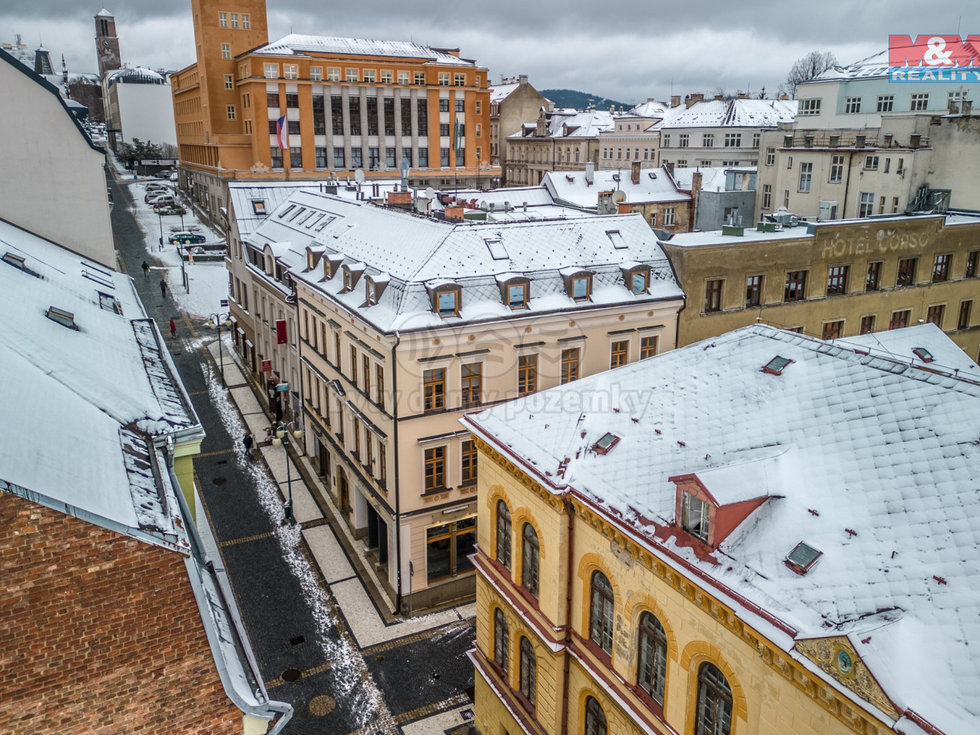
(161,199)
(186,237)
(169,209)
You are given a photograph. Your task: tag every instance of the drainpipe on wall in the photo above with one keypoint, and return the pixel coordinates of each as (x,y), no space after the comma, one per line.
(570,511)
(847,185)
(398,522)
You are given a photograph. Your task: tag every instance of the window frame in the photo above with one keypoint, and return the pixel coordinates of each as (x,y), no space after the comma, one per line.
(795,289)
(434,469)
(530,560)
(504,542)
(571,361)
(471,384)
(501,641)
(753,291)
(906,272)
(528,672)
(691,506)
(649,346)
(434,389)
(619,353)
(712,294)
(941,265)
(602,612)
(837,279)
(713,717)
(651,657)
(527,374)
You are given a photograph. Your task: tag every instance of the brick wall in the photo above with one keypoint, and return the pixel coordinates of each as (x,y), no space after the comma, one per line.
(99,633)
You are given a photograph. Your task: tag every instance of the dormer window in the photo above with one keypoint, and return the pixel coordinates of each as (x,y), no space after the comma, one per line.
(331,264)
(695,516)
(312,258)
(374,286)
(578,283)
(446,302)
(710,515)
(514,290)
(352,273)
(636,278)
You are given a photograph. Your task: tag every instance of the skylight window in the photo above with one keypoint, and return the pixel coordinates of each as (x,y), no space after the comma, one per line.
(287,210)
(802,558)
(258,206)
(108,303)
(18,262)
(923,354)
(616,238)
(776,365)
(606,443)
(64,318)
(497,249)
(297,214)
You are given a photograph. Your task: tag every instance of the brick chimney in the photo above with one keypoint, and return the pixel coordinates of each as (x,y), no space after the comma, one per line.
(635,173)
(675,100)
(692,98)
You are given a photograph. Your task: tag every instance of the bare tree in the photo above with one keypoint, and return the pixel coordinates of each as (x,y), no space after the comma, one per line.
(810,66)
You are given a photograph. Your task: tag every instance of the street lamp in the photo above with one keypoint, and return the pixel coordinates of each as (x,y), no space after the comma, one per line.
(216,321)
(281,439)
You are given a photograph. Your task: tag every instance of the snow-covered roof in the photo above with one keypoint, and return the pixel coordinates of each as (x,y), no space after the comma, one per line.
(136,75)
(298,44)
(571,187)
(875,462)
(650,108)
(416,251)
(908,345)
(875,65)
(565,123)
(103,14)
(713,178)
(736,113)
(500,92)
(84,398)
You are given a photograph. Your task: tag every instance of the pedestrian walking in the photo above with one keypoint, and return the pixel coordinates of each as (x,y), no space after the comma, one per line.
(146,270)
(247,442)
(163,289)
(173,328)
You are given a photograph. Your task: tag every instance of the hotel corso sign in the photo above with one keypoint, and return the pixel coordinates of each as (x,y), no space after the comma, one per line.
(875,240)
(934,58)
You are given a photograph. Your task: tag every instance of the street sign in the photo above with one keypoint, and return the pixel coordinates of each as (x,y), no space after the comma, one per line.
(267,366)
(283,387)
(224,303)
(281,331)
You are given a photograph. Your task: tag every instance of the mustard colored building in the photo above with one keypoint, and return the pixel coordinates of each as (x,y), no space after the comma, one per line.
(308,107)
(833,279)
(755,535)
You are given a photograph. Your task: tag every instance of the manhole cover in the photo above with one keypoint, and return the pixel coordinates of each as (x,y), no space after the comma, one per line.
(219,480)
(290,675)
(322,705)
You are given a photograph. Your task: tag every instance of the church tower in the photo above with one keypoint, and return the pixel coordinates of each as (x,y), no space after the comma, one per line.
(106,42)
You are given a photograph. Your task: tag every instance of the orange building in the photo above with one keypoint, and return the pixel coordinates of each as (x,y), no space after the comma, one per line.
(306,107)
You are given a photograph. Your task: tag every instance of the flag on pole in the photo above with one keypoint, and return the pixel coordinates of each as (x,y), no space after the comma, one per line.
(458,137)
(282,133)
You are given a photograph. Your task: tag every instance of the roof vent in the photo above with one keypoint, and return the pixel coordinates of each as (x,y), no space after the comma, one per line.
(802,558)
(64,318)
(606,443)
(776,365)
(923,354)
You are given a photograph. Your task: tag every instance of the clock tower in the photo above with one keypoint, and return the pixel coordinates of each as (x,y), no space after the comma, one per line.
(106,42)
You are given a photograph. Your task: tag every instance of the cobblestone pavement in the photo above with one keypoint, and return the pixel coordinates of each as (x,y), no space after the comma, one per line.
(320,641)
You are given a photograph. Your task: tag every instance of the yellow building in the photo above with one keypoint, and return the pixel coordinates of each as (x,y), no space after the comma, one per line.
(702,547)
(306,107)
(833,279)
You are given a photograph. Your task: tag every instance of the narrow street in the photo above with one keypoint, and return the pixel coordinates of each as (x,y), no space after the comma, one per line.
(319,642)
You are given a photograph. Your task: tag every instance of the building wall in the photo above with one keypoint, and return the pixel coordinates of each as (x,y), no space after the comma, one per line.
(64,196)
(146,112)
(712,206)
(771,692)
(102,633)
(712,152)
(519,107)
(854,244)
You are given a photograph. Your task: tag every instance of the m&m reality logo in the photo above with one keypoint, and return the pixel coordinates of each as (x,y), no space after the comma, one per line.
(934,58)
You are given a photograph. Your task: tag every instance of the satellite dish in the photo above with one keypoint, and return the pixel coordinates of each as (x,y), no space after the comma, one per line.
(430,193)
(359,176)
(619,196)
(483,205)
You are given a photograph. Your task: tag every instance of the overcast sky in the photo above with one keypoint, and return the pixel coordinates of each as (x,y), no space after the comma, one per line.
(628,50)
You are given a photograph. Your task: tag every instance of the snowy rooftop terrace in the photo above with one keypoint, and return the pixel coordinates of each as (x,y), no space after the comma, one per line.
(872,460)
(298,44)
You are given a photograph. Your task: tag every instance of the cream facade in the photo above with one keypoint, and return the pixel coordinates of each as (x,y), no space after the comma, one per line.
(399,324)
(560,140)
(634,137)
(513,102)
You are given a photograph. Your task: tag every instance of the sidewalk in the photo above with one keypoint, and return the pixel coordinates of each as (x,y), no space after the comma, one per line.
(318,519)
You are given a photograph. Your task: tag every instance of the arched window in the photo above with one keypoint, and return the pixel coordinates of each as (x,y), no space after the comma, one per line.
(529,565)
(503,533)
(714,702)
(529,670)
(652,668)
(501,640)
(595,718)
(601,618)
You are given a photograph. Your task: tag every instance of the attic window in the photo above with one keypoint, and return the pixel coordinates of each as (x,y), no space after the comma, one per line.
(445,301)
(616,238)
(64,318)
(923,354)
(695,516)
(776,365)
(19,263)
(108,303)
(497,249)
(258,206)
(606,443)
(802,558)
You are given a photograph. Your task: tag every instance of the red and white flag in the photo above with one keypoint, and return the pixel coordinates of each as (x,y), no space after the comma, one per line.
(282,133)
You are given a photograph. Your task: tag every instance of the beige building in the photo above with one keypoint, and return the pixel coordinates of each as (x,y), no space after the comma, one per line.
(400,323)
(759,534)
(513,102)
(559,140)
(634,137)
(833,279)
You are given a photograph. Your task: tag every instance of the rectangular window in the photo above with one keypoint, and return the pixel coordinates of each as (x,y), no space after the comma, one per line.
(900,319)
(806,175)
(570,364)
(319,116)
(435,468)
(295,157)
(351,75)
(339,160)
(871,163)
(527,374)
(403,77)
(619,353)
(940,267)
(833,330)
(709,140)
(443,157)
(229,82)
(290,71)
(733,140)
(963,321)
(873,280)
(809,106)
(906,271)
(471,384)
(369,76)
(275,153)
(225,51)
(422,115)
(271,71)
(434,389)
(685,140)
(795,286)
(353,365)
(234,20)
(444,105)
(333,74)
(448,549)
(246,23)
(467,455)
(837,279)
(971,263)
(852,105)
(836,169)
(292,126)
(390,157)
(223,20)
(755,139)
(767,196)
(230,110)
(694,516)
(354,105)
(669,215)
(459,80)
(337,114)
(387,76)
(885,103)
(374,158)
(444,129)
(444,79)
(648,347)
(388,111)
(770,156)
(320,157)
(753,291)
(712,295)
(419,78)
(867,324)
(459,104)
(867,207)
(316,73)
(935,313)
(919,102)
(366,373)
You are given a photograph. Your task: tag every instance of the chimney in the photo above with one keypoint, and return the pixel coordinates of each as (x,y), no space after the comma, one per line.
(589,173)
(742,95)
(675,100)
(670,168)
(692,98)
(695,195)
(719,97)
(522,79)
(635,173)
